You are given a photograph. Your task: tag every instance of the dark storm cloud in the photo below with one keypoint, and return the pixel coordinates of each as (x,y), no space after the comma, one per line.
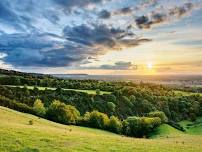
(125,10)
(50,50)
(143,22)
(102,37)
(10,18)
(37,50)
(20,14)
(104,14)
(146,21)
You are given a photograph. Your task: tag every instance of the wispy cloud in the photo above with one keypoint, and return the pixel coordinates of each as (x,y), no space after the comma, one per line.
(121,65)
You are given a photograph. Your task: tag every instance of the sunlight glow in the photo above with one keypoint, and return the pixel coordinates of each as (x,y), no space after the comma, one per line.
(149,65)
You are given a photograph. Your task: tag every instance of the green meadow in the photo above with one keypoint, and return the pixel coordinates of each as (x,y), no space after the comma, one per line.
(78,90)
(183,93)
(18,135)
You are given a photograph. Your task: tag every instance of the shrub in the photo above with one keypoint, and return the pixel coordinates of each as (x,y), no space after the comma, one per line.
(140,126)
(115,125)
(159,114)
(39,108)
(96,119)
(62,113)
(31,122)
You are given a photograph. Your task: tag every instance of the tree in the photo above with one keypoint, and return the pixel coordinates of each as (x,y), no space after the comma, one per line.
(159,114)
(111,106)
(111,98)
(98,91)
(62,113)
(115,125)
(96,119)
(140,126)
(39,108)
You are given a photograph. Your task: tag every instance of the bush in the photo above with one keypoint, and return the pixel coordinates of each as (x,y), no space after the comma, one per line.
(62,113)
(159,114)
(31,122)
(39,108)
(111,106)
(96,119)
(115,125)
(140,126)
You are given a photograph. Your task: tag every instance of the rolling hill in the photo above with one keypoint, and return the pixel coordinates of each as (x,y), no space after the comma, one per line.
(17,135)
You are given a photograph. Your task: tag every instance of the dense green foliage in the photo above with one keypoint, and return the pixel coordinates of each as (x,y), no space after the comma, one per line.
(115,125)
(96,119)
(159,114)
(140,126)
(62,113)
(39,108)
(131,109)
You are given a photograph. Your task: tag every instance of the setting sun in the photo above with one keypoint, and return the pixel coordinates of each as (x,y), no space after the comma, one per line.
(149,65)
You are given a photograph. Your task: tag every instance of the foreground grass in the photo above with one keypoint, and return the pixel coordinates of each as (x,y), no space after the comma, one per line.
(44,136)
(79,90)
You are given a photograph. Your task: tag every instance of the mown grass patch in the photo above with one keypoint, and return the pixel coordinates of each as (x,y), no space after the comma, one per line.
(183,93)
(49,88)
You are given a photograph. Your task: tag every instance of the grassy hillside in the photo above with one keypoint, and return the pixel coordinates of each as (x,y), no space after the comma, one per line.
(166,131)
(79,90)
(18,136)
(193,128)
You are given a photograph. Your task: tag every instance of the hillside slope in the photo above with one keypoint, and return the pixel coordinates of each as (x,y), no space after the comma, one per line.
(166,131)
(17,135)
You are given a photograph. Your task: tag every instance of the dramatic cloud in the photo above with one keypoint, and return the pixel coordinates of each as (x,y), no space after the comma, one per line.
(9,18)
(79,45)
(145,22)
(71,33)
(125,10)
(104,14)
(102,37)
(36,50)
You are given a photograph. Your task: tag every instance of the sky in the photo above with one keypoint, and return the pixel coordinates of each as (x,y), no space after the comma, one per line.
(123,37)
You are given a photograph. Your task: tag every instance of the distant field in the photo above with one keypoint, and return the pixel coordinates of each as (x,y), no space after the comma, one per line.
(2,75)
(46,136)
(186,93)
(79,90)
